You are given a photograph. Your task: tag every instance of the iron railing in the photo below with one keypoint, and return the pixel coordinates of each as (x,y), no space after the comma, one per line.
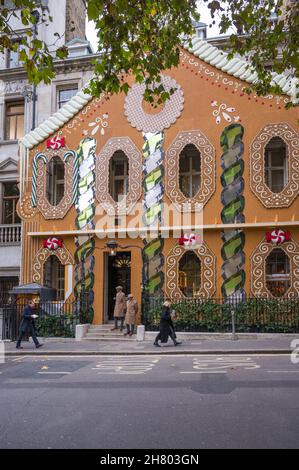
(54,319)
(217,315)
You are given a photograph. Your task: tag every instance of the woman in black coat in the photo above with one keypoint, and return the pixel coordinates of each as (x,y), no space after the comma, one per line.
(166,327)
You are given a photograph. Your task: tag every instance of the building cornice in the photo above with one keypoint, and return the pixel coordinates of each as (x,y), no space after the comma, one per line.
(165,229)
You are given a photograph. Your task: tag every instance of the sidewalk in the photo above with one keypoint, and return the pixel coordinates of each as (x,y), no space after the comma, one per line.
(255,344)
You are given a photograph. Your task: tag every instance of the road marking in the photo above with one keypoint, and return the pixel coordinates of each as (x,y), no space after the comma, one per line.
(53,372)
(18,359)
(206,372)
(283,371)
(216,363)
(125,365)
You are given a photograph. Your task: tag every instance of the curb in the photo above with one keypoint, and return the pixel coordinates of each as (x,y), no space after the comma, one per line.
(150,353)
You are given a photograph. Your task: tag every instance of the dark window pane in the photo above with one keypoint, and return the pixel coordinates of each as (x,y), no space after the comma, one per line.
(190,168)
(189,274)
(278,272)
(54,276)
(185,185)
(11,189)
(276,176)
(184,163)
(55,181)
(118,175)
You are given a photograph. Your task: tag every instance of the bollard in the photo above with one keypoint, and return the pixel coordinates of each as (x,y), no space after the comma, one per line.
(140,333)
(233,325)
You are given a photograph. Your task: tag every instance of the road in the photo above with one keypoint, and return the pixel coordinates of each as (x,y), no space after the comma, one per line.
(147,402)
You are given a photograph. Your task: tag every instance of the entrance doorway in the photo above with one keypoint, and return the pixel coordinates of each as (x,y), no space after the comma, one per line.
(119,274)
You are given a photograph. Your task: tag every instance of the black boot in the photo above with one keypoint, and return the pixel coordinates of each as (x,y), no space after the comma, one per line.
(157,344)
(176,343)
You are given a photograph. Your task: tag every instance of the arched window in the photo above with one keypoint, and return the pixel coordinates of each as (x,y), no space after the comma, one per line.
(276,168)
(54,275)
(278,272)
(190,170)
(118,175)
(55,181)
(189,274)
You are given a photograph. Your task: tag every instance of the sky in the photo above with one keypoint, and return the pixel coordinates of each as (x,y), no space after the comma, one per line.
(204,17)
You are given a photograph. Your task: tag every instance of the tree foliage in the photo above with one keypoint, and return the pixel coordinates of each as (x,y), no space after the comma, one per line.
(142,37)
(266,32)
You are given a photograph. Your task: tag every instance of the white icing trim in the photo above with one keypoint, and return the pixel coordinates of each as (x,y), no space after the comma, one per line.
(237,67)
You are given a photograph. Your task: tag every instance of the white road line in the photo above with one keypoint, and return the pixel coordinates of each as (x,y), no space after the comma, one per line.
(283,371)
(53,372)
(122,373)
(18,359)
(206,372)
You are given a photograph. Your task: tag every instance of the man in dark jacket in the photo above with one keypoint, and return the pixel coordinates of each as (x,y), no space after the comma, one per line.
(166,326)
(27,324)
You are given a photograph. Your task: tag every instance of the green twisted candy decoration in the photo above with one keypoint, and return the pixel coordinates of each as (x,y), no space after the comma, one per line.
(232,198)
(85,244)
(153,190)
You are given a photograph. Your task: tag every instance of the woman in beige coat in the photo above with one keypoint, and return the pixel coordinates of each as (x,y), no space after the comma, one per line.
(130,319)
(119,308)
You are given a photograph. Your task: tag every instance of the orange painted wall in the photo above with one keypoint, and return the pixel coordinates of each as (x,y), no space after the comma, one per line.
(200,89)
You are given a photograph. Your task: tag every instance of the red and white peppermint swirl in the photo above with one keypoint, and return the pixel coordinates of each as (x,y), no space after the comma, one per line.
(56,143)
(52,243)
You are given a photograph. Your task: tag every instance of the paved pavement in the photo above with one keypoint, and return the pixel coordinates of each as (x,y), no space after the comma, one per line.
(271,344)
(151,401)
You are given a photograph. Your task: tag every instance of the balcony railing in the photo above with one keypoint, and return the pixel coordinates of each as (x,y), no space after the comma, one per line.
(10,234)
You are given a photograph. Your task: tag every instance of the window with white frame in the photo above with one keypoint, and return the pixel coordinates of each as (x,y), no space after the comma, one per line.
(55,181)
(10,199)
(64,94)
(190,170)
(14,120)
(276,164)
(118,175)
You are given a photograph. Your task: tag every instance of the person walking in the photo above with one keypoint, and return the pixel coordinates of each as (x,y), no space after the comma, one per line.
(130,318)
(166,327)
(27,324)
(119,308)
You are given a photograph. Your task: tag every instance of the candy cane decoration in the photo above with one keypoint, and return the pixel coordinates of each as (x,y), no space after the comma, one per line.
(85,207)
(153,171)
(38,156)
(232,163)
(71,153)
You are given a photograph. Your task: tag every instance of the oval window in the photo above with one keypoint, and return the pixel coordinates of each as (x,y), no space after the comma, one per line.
(55,181)
(278,272)
(190,170)
(189,274)
(276,165)
(118,175)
